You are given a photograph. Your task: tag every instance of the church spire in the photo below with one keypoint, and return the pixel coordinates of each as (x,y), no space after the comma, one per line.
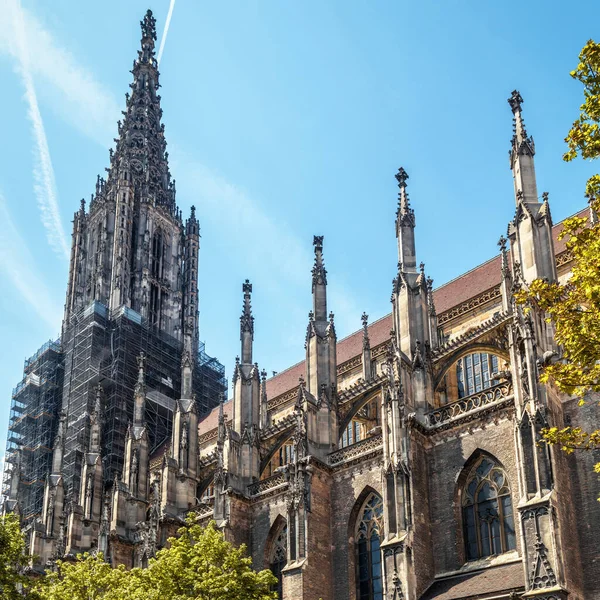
(140,155)
(247,324)
(521,155)
(405,227)
(319,282)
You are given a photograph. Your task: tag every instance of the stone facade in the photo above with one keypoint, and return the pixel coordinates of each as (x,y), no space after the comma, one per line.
(400,462)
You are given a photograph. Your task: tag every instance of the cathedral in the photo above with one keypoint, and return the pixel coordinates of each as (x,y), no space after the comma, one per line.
(400,463)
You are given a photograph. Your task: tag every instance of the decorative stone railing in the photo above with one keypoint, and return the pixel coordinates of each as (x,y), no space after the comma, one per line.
(470,405)
(266,485)
(356,451)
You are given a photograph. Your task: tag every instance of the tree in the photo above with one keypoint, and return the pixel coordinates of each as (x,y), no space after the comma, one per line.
(201,564)
(87,578)
(198,564)
(574,307)
(12,558)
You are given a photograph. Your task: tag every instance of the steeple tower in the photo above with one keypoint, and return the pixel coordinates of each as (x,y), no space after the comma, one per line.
(132,248)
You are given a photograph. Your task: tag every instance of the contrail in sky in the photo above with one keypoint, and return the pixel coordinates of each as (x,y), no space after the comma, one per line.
(43,174)
(165,31)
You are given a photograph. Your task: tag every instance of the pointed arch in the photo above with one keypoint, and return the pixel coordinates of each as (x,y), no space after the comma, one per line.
(369,403)
(275,557)
(476,348)
(365,532)
(486,512)
(280,454)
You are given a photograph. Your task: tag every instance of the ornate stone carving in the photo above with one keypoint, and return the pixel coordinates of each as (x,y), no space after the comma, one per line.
(471,404)
(362,449)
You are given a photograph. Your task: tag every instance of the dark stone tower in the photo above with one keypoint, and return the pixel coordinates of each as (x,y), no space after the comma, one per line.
(132,295)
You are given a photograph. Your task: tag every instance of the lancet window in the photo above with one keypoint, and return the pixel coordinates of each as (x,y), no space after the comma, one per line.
(488,519)
(369,530)
(279,559)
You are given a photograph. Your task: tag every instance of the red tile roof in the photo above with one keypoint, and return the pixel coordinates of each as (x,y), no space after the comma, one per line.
(479,584)
(455,292)
(211,420)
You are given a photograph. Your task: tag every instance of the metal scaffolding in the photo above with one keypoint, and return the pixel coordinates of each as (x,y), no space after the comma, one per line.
(32,426)
(100,348)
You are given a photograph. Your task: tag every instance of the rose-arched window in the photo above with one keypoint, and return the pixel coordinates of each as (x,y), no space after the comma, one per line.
(279,559)
(369,530)
(487,511)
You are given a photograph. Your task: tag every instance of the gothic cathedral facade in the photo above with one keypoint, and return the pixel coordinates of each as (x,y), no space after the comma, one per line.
(401,462)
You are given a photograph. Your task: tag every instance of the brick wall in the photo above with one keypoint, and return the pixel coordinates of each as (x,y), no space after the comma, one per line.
(351,486)
(446,461)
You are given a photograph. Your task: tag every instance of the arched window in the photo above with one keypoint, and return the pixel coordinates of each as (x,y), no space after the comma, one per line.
(279,559)
(487,511)
(365,419)
(369,530)
(283,456)
(473,373)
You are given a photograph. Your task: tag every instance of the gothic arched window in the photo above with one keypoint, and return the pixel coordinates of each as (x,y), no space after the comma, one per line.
(474,373)
(487,511)
(279,559)
(369,530)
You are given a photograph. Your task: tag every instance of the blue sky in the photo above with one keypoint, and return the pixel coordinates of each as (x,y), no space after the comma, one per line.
(284,120)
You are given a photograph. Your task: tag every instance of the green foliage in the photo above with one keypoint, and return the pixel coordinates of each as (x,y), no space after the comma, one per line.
(87,578)
(574,307)
(12,558)
(584,137)
(198,564)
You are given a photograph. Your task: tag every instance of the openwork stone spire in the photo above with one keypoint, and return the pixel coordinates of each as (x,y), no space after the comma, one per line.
(140,155)
(247,324)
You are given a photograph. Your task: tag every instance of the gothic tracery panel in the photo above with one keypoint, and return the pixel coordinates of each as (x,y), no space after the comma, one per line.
(488,520)
(369,529)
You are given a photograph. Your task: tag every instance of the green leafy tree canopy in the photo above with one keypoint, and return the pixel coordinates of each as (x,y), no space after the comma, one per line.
(574,307)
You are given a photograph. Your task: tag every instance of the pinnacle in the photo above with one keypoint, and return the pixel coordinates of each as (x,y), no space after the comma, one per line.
(515,101)
(148,26)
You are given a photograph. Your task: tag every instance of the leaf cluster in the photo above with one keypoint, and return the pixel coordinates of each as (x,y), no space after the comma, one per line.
(199,563)
(12,558)
(574,306)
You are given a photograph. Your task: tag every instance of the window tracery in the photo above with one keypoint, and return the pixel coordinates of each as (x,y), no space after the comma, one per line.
(279,559)
(474,371)
(369,530)
(469,375)
(488,519)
